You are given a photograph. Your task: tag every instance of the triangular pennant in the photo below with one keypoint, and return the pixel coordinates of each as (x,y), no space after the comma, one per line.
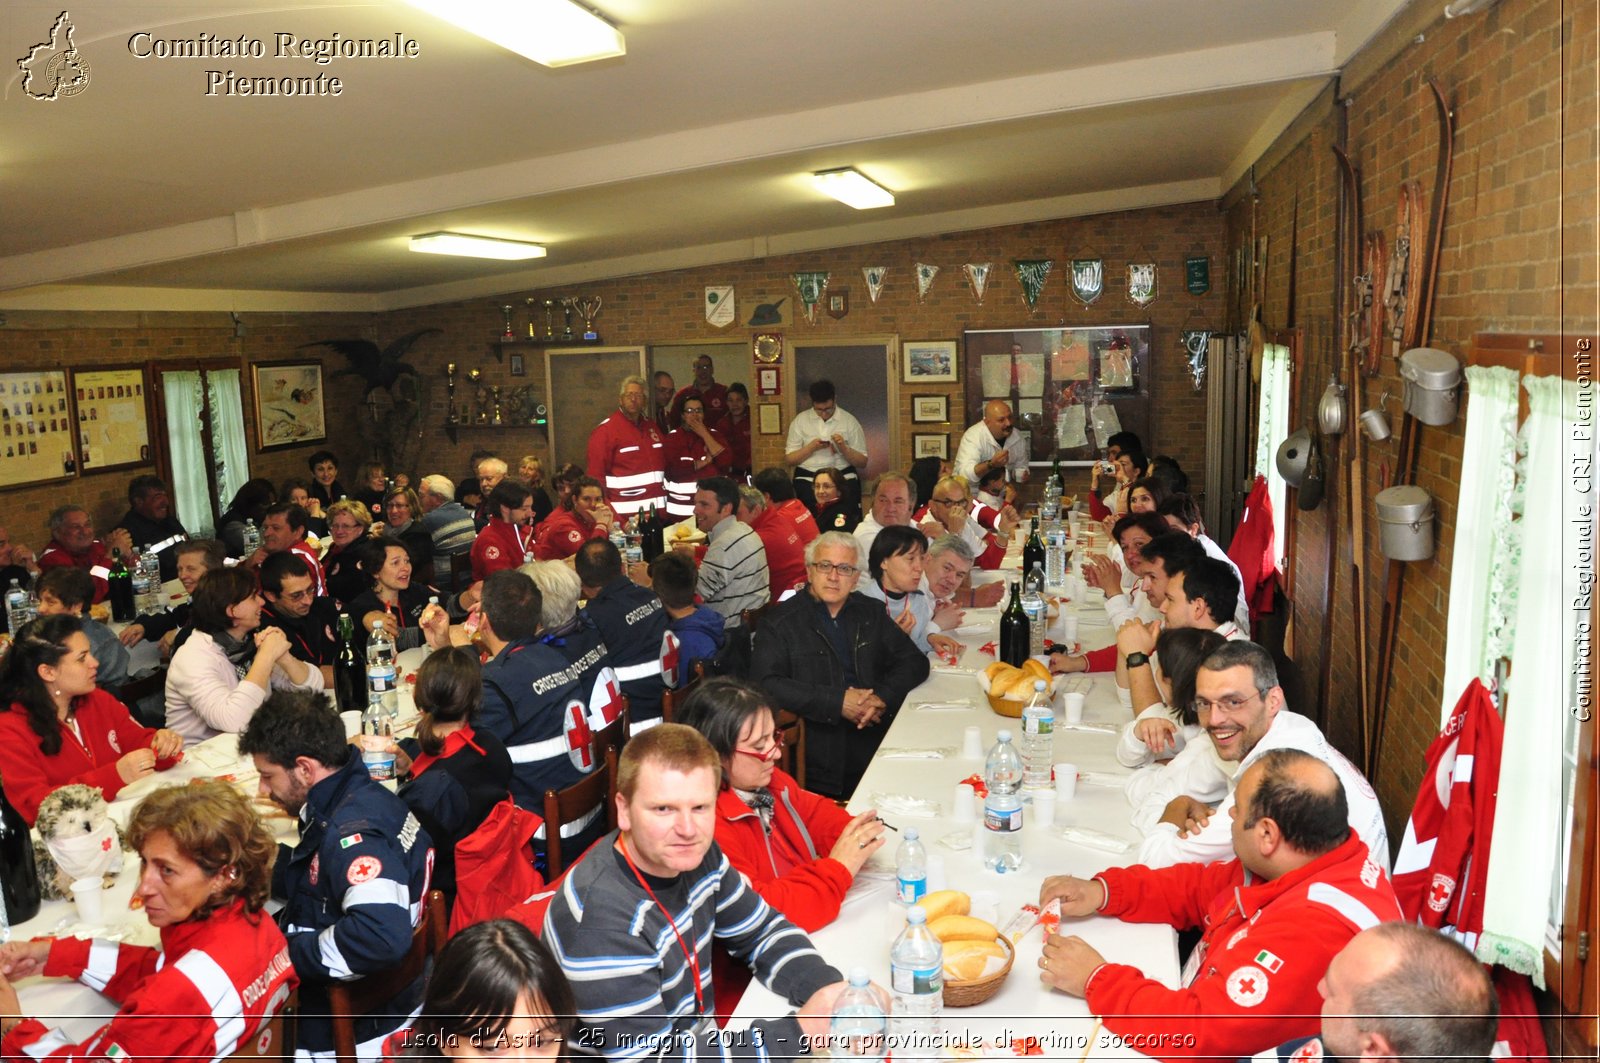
(1196,344)
(1031,273)
(977,276)
(719,305)
(925,275)
(875,276)
(811,285)
(1141,283)
(1088,281)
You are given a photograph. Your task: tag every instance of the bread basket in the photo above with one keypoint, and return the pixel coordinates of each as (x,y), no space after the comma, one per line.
(1011,707)
(967,994)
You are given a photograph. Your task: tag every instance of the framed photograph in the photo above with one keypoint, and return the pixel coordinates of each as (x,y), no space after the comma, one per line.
(290,411)
(518,366)
(768,380)
(771,419)
(929,362)
(930,446)
(930,409)
(37,423)
(113,418)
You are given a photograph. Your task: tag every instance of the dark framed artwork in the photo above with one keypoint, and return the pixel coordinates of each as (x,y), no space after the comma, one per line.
(113,418)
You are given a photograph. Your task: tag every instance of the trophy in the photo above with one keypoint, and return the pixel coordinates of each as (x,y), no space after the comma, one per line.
(451,417)
(494,390)
(533,333)
(508,334)
(568,305)
(549,319)
(589,307)
(476,376)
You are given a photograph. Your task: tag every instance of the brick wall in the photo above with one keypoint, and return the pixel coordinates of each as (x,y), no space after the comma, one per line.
(1517,256)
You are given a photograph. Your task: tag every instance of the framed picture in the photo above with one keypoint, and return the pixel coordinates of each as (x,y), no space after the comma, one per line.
(768,380)
(929,362)
(37,423)
(289,404)
(113,418)
(771,419)
(518,366)
(930,409)
(930,446)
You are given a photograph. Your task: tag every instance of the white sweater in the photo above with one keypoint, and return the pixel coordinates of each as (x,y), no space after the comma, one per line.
(206,692)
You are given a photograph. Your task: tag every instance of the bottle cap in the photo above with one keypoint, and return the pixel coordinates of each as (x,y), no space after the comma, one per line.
(1003,735)
(1038,686)
(911,834)
(860,977)
(916,916)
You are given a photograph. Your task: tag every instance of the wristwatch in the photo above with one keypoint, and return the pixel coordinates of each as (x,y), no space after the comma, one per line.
(1136,659)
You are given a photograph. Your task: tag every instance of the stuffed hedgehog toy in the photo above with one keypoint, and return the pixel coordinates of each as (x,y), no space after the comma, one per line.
(79,840)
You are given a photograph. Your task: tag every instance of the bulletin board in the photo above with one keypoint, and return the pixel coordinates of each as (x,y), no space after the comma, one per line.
(582,384)
(36,428)
(1070,389)
(113,418)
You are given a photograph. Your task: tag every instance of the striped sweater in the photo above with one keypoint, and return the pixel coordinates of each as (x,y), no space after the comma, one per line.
(733,574)
(633,985)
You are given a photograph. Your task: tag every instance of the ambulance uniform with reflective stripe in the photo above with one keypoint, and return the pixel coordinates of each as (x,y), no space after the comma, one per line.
(353,891)
(631,620)
(96,561)
(1252,980)
(204,994)
(629,461)
(161,536)
(545,705)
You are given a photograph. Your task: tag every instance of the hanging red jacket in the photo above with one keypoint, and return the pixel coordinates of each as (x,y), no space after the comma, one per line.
(1254,551)
(494,866)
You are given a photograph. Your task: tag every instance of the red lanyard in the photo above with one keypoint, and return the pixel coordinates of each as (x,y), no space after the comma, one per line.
(689,957)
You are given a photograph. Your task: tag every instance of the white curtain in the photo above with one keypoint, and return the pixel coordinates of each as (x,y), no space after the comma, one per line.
(229,450)
(1483,569)
(185,401)
(1272,428)
(1540,690)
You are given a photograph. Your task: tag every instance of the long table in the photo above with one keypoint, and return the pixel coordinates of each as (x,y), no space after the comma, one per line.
(871,917)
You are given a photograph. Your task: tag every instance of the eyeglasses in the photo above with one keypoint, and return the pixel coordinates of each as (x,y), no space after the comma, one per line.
(298,596)
(772,751)
(828,568)
(344,526)
(1223,705)
(951,501)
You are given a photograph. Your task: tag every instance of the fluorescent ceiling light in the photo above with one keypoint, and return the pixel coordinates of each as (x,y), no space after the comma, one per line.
(475,246)
(849,187)
(551,32)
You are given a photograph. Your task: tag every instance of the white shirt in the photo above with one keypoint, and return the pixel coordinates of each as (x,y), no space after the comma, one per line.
(866,532)
(808,425)
(977,444)
(1241,609)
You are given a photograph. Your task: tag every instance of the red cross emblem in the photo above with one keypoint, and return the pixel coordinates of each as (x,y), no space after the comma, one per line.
(580,739)
(669,660)
(1439,892)
(605,703)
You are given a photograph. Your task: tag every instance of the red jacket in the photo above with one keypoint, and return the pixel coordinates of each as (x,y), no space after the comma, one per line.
(500,546)
(562,532)
(1253,551)
(494,866)
(797,514)
(96,561)
(786,551)
(715,397)
(310,557)
(628,461)
(683,452)
(1255,972)
(737,433)
(1443,865)
(805,827)
(204,994)
(108,732)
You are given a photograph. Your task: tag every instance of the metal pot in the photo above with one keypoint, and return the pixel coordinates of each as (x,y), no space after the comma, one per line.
(1293,454)
(1432,380)
(1331,410)
(1405,522)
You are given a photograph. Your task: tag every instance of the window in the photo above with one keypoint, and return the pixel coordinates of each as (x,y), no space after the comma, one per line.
(204,438)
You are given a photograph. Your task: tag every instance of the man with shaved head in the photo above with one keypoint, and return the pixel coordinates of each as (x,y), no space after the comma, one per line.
(1301,885)
(992,444)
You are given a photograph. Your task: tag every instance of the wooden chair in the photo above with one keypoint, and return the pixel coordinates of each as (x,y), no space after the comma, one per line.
(574,802)
(348,1001)
(275,1040)
(460,571)
(672,700)
(150,685)
(793,761)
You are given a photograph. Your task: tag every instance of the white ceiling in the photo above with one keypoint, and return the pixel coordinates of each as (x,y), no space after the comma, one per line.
(143,192)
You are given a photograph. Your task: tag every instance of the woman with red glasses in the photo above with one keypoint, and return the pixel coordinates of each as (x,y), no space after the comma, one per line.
(798,849)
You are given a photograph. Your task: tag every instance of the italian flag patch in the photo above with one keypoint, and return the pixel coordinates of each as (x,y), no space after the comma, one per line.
(115,1051)
(347,842)
(1268,961)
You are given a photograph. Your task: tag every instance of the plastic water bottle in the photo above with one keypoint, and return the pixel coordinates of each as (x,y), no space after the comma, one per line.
(1050,506)
(1002,809)
(19,608)
(1055,557)
(251,537)
(382,693)
(144,597)
(916,979)
(859,1025)
(1038,738)
(1033,604)
(911,868)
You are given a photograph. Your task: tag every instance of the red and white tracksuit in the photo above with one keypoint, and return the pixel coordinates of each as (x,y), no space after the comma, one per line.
(683,453)
(629,460)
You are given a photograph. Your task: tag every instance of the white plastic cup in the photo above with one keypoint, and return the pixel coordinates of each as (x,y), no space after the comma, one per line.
(937,879)
(352,723)
(964,809)
(1072,706)
(1069,627)
(86,894)
(1066,781)
(972,742)
(1044,808)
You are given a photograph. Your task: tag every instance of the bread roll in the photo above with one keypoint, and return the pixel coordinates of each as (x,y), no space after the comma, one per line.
(1036,669)
(967,961)
(942,903)
(962,928)
(1021,688)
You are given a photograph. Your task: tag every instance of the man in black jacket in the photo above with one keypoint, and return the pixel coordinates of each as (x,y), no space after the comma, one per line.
(836,658)
(150,522)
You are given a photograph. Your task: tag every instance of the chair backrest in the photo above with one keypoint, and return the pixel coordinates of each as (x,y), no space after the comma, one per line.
(574,802)
(150,685)
(348,1001)
(460,571)
(794,745)
(274,1039)
(672,700)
